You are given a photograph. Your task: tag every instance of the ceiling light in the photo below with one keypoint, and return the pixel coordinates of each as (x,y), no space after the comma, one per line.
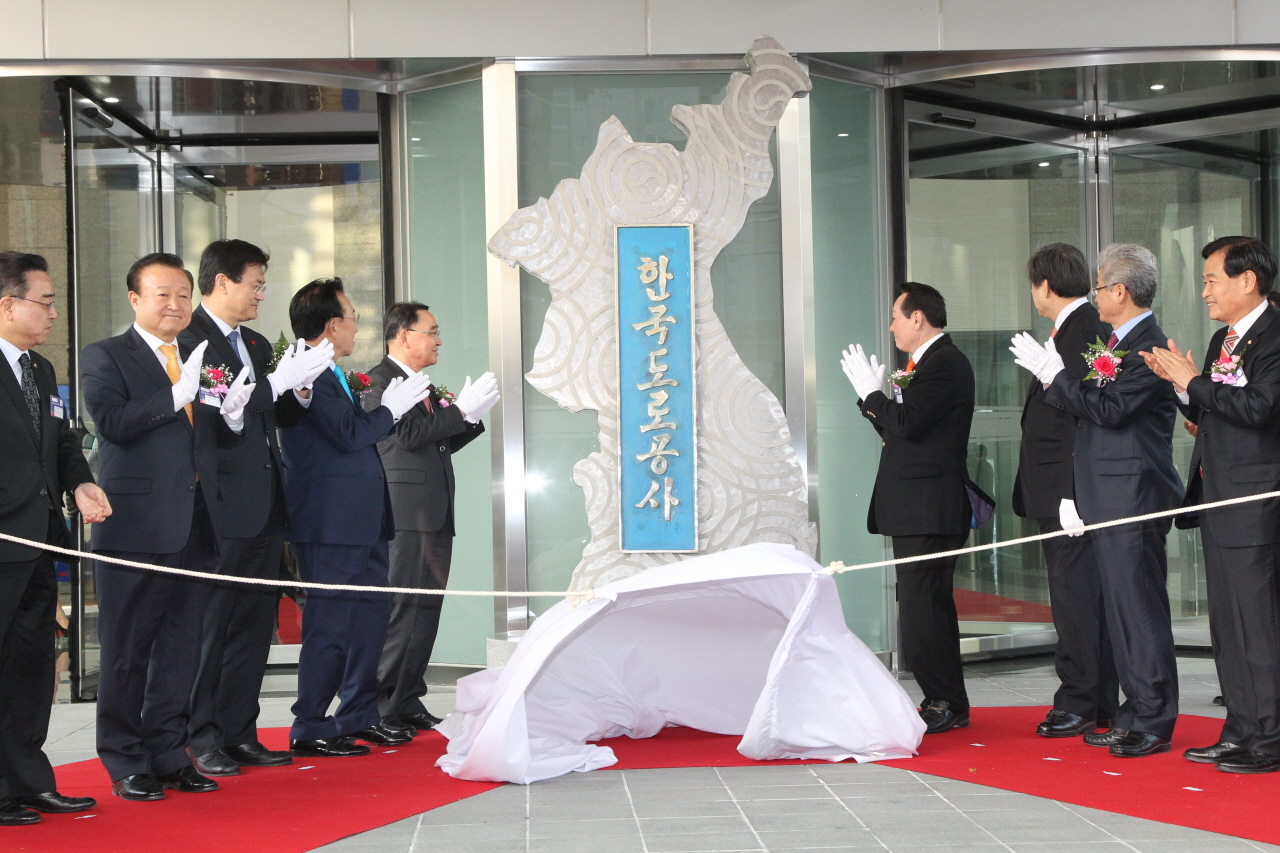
(111,100)
(1156,87)
(210,176)
(1045,163)
(415,138)
(842,134)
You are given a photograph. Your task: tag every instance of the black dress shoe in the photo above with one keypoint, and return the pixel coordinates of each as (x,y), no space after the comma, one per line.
(216,763)
(187,780)
(139,786)
(1214,754)
(12,814)
(1138,745)
(422,721)
(380,735)
(1250,761)
(939,717)
(256,755)
(1060,723)
(1107,738)
(331,747)
(51,802)
(396,724)
(1217,700)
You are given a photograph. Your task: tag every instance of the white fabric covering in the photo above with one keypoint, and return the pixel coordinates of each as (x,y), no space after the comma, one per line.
(750,641)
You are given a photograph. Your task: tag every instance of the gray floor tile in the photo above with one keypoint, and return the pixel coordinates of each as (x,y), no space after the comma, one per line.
(673,808)
(717,841)
(689,825)
(755,808)
(801,839)
(685,795)
(582,811)
(811,791)
(796,822)
(612,844)
(861,805)
(552,829)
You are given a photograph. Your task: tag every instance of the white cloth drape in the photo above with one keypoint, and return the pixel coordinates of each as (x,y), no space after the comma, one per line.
(750,641)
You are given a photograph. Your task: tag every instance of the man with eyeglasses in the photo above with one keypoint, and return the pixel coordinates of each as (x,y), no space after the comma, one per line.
(41,461)
(239,619)
(1124,467)
(417,456)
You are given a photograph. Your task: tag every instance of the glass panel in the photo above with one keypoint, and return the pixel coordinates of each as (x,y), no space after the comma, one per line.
(560,117)
(979,206)
(848,307)
(1157,86)
(447,261)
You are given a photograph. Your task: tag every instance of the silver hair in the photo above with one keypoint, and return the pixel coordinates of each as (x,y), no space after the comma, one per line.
(1131,265)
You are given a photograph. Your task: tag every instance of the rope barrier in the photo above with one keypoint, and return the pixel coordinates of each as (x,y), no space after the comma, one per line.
(834,568)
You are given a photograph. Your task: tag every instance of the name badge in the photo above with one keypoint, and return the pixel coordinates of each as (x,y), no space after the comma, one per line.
(897,394)
(209,398)
(57,408)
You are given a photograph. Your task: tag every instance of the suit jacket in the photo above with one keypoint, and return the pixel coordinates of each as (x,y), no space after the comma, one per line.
(1045,473)
(417,456)
(249,474)
(1238,445)
(920,486)
(36,474)
(1124,442)
(333,478)
(149,455)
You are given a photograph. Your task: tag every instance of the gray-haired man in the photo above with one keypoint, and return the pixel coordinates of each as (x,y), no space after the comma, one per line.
(1124,467)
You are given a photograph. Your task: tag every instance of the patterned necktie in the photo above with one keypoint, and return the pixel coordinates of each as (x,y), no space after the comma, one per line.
(174,369)
(1229,343)
(233,337)
(1113,341)
(30,391)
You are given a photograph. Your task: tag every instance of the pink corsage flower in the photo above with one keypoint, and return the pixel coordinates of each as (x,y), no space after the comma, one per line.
(1226,370)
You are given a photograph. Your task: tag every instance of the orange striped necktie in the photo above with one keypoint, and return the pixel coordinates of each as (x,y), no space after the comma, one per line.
(174,369)
(911,365)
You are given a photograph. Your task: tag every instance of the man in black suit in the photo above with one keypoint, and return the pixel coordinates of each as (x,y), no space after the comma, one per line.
(158,439)
(1045,491)
(41,460)
(417,458)
(1124,467)
(1235,403)
(920,496)
(240,619)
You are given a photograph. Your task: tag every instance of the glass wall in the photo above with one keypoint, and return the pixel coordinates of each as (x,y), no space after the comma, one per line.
(446,270)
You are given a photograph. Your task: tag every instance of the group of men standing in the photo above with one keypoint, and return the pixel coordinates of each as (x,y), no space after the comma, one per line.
(1097,446)
(214,450)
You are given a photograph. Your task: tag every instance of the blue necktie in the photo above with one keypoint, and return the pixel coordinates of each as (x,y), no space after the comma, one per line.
(342,380)
(233,337)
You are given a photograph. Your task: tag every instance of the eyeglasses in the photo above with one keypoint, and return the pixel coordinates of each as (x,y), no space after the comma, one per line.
(259,288)
(1094,292)
(47,306)
(355,317)
(435,335)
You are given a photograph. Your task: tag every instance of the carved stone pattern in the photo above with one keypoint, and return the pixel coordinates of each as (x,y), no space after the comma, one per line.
(750,484)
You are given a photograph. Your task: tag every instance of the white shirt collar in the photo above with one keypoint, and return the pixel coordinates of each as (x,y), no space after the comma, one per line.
(924,347)
(222,327)
(12,354)
(1066,312)
(151,340)
(408,371)
(1246,322)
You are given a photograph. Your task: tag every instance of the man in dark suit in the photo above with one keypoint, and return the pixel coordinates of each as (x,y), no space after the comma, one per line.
(41,460)
(1045,491)
(920,496)
(1124,467)
(341,522)
(158,438)
(239,619)
(417,458)
(1235,403)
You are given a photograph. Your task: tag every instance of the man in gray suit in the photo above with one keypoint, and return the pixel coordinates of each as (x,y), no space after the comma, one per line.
(416,456)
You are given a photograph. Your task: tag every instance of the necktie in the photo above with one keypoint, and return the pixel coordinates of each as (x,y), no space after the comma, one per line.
(30,391)
(1054,333)
(1113,341)
(233,337)
(911,365)
(174,369)
(1229,343)
(342,380)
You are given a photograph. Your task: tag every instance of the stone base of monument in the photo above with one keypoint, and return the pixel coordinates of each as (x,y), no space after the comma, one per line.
(498,650)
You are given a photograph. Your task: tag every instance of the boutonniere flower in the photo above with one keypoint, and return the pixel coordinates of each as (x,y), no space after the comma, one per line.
(901,378)
(1104,364)
(442,396)
(1228,370)
(358,382)
(216,379)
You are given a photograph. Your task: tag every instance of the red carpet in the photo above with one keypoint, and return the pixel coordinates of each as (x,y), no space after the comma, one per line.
(974,606)
(318,801)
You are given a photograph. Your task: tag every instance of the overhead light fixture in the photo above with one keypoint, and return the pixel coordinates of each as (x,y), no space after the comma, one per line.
(842,134)
(211,177)
(415,138)
(111,100)
(1045,163)
(1156,87)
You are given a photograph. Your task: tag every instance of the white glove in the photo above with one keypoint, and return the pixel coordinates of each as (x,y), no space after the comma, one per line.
(187,388)
(1043,361)
(475,401)
(1069,518)
(866,376)
(403,394)
(300,366)
(234,402)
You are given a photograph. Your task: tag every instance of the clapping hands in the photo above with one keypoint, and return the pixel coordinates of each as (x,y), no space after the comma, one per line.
(865,374)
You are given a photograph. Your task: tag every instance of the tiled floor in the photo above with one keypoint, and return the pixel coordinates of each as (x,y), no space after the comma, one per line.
(830,807)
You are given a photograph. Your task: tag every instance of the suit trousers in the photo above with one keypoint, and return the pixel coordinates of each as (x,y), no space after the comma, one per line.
(1244,624)
(238,626)
(1133,568)
(28,594)
(342,634)
(1086,668)
(149,629)
(418,559)
(928,630)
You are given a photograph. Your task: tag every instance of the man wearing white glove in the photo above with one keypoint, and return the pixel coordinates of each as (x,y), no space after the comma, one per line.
(1044,491)
(418,458)
(159,447)
(239,620)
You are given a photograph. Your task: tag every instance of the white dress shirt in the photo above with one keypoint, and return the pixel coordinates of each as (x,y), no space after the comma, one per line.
(12,353)
(242,349)
(155,344)
(924,347)
(1067,312)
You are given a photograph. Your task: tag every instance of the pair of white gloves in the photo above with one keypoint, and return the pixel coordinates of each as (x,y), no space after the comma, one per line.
(1044,363)
(474,400)
(865,374)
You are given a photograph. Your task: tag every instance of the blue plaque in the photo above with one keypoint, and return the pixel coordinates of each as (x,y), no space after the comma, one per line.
(657,412)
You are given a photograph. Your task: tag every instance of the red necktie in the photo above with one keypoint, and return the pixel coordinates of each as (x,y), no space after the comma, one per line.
(1229,343)
(1054,333)
(1113,341)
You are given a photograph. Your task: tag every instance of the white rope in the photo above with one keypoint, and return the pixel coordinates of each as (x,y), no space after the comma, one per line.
(835,568)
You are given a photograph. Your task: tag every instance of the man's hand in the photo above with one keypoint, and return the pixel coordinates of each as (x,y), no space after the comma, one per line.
(299,366)
(402,395)
(865,375)
(236,399)
(1193,429)
(92,503)
(1172,365)
(187,388)
(475,401)
(1043,361)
